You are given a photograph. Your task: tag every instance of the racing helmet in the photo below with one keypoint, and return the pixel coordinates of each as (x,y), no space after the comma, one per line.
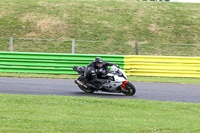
(99,62)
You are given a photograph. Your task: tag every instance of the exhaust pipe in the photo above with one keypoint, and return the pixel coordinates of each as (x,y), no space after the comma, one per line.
(80,83)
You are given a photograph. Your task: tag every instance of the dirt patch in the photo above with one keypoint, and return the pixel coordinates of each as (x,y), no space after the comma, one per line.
(47,23)
(31,34)
(44,22)
(131,43)
(65,15)
(29,17)
(2,14)
(140,13)
(196,16)
(49,4)
(106,23)
(43,3)
(153,27)
(126,28)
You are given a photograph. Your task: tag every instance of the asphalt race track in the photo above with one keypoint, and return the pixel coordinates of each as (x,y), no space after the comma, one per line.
(67,87)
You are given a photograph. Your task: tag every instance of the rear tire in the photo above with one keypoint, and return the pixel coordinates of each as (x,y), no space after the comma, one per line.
(130,89)
(87,90)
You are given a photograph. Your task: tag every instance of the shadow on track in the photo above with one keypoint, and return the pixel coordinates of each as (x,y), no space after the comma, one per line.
(102,94)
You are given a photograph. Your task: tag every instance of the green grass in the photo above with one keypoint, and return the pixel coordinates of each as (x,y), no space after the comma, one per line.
(130,78)
(26,113)
(100,20)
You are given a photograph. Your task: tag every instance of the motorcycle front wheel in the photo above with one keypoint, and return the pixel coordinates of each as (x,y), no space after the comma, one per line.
(130,89)
(87,90)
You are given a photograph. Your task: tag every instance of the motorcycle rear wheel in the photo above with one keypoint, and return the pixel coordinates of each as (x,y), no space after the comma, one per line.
(130,89)
(87,90)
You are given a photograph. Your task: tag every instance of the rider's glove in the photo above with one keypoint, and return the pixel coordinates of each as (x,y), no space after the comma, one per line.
(117,66)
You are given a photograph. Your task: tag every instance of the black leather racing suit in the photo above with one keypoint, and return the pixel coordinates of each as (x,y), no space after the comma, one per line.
(94,75)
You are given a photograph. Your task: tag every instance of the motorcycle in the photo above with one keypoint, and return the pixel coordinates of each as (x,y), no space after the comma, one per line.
(118,82)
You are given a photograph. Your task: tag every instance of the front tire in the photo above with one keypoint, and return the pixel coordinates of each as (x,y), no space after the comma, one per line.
(87,90)
(130,89)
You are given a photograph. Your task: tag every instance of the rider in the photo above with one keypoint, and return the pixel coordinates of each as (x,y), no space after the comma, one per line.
(95,70)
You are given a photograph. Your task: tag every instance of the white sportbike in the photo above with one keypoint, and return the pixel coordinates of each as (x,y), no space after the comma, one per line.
(118,82)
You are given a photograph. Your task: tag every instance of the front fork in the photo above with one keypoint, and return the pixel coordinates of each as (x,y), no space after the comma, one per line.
(123,84)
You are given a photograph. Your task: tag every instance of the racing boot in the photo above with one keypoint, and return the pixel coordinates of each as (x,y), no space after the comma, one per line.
(98,86)
(90,86)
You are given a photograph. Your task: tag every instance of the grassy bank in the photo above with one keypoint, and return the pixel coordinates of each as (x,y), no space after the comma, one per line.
(130,78)
(72,114)
(100,20)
